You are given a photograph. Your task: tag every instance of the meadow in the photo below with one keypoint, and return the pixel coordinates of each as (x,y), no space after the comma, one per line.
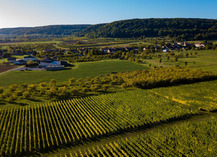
(198,95)
(80,70)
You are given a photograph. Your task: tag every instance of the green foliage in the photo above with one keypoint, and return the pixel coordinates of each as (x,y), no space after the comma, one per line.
(26,94)
(199,95)
(189,29)
(13,87)
(45,30)
(159,77)
(1,90)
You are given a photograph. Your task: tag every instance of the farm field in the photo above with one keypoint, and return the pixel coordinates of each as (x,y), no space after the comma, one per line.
(205,60)
(71,122)
(4,67)
(74,122)
(198,95)
(81,70)
(183,138)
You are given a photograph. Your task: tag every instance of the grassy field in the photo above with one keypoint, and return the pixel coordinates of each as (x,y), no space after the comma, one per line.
(205,59)
(81,70)
(198,95)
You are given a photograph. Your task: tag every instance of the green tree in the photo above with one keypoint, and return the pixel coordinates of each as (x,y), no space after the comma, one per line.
(26,94)
(53,83)
(1,90)
(71,81)
(13,87)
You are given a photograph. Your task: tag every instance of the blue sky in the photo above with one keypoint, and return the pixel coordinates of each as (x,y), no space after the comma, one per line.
(24,13)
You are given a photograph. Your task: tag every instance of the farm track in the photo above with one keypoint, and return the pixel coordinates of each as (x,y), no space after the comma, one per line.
(13,69)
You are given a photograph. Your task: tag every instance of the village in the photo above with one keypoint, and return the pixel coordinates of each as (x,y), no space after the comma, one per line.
(51,59)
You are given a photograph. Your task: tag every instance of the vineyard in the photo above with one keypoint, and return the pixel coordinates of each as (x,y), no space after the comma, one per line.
(40,128)
(197,138)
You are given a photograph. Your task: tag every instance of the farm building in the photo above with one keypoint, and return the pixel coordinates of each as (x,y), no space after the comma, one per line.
(28,58)
(54,67)
(20,62)
(49,62)
(12,59)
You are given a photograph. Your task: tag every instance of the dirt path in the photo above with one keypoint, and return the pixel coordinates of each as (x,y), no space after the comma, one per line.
(17,68)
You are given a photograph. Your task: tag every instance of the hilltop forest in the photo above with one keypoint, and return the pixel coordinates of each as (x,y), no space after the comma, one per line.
(189,29)
(179,28)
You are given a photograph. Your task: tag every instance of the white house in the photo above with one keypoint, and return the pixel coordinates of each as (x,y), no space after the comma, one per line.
(199,45)
(165,50)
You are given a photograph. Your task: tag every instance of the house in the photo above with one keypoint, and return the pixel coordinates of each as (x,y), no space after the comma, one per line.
(54,67)
(165,50)
(20,62)
(49,62)
(199,45)
(12,59)
(28,58)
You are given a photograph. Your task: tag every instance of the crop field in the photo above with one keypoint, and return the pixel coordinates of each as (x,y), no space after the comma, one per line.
(191,138)
(81,70)
(199,95)
(43,127)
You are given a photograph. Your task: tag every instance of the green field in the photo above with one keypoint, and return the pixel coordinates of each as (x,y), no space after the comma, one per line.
(205,59)
(81,70)
(122,120)
(74,121)
(198,95)
(185,138)
(81,122)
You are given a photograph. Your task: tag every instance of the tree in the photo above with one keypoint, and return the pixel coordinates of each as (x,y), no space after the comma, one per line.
(12,98)
(32,88)
(1,90)
(71,81)
(62,92)
(13,87)
(26,94)
(53,83)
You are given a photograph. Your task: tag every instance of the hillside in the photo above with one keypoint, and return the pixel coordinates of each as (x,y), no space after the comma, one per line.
(44,30)
(191,29)
(181,28)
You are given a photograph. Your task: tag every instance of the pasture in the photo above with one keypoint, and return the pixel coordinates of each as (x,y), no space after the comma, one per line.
(81,70)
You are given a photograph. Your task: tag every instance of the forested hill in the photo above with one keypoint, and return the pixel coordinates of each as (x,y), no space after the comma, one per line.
(181,28)
(193,29)
(44,30)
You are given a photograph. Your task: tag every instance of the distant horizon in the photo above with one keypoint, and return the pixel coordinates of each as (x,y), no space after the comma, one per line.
(102,22)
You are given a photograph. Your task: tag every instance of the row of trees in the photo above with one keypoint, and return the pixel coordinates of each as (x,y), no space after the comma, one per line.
(81,87)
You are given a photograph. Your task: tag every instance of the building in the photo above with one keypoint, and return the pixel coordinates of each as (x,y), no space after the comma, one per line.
(28,58)
(49,62)
(12,59)
(199,45)
(20,62)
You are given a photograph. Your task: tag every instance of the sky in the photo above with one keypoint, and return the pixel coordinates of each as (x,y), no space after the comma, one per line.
(29,13)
